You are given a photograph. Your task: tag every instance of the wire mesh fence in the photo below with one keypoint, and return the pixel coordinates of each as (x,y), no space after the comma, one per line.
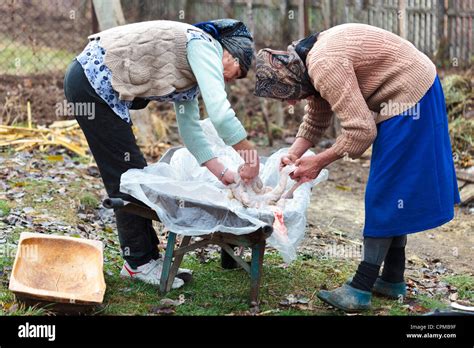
(42,36)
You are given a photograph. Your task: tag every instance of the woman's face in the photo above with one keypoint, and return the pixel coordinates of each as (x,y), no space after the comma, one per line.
(231,67)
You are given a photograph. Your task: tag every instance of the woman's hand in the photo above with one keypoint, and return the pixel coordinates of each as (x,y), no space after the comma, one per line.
(299,147)
(249,171)
(307,168)
(216,168)
(228,178)
(287,160)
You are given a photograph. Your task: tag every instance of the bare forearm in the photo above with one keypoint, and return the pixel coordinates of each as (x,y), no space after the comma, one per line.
(299,147)
(247,151)
(214,166)
(328,156)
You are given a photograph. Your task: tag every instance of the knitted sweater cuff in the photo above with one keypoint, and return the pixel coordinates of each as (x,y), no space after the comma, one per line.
(354,148)
(203,156)
(237,137)
(307,132)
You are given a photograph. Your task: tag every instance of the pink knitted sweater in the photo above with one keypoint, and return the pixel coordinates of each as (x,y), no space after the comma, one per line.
(365,75)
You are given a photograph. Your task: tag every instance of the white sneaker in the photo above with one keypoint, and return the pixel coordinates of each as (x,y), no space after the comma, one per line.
(181,271)
(149,273)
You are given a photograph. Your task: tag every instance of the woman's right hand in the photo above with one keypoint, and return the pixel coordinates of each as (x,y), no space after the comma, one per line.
(287,159)
(216,168)
(228,178)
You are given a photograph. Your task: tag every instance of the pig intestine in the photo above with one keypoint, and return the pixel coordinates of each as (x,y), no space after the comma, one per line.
(256,195)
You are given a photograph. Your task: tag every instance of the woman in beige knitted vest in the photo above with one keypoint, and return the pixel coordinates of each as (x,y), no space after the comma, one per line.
(387,94)
(128,66)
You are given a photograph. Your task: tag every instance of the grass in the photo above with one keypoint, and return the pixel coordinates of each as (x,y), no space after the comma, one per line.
(4,207)
(20,59)
(89,201)
(214,291)
(80,159)
(464,284)
(61,206)
(459,95)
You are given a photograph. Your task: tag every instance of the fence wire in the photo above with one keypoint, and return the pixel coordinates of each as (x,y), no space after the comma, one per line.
(43,36)
(40,37)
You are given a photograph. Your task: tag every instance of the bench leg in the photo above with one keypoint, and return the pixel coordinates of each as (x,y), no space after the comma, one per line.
(256,266)
(164,286)
(176,263)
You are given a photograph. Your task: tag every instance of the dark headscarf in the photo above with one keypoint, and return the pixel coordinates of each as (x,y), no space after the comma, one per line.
(234,36)
(283,74)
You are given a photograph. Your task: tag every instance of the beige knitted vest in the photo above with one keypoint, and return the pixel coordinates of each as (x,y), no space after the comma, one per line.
(147,58)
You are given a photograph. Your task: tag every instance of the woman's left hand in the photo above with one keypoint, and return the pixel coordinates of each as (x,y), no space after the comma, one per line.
(249,171)
(307,168)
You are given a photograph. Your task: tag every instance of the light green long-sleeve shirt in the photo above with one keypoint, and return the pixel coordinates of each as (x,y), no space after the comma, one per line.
(205,59)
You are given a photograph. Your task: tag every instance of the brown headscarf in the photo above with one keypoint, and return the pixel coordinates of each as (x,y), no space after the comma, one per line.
(283,74)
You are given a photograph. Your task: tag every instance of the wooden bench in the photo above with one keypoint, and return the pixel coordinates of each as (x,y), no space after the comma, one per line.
(174,255)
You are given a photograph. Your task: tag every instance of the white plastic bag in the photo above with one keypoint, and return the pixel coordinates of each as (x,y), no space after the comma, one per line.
(189,200)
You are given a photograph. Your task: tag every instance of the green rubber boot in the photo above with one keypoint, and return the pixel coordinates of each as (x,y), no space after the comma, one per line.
(392,290)
(347,298)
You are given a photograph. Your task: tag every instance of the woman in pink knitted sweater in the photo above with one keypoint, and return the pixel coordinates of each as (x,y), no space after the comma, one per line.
(387,94)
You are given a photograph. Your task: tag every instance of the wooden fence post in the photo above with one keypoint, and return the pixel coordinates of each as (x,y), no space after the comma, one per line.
(250,22)
(338,12)
(303,18)
(442,47)
(229,8)
(442,23)
(326,13)
(109,13)
(95,23)
(401,15)
(285,24)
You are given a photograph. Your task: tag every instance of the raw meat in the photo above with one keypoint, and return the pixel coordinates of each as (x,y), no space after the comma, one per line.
(256,195)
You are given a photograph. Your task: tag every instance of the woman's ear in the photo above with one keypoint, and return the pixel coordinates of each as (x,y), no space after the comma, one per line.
(229,59)
(231,66)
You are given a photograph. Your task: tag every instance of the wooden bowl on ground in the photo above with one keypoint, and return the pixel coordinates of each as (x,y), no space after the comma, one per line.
(58,269)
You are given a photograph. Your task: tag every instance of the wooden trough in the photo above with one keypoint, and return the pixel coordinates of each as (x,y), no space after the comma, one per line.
(57,269)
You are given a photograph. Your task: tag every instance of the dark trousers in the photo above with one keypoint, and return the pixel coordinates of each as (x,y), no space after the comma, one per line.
(376,249)
(115,150)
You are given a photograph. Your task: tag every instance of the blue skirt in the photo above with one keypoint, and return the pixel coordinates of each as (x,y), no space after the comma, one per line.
(412,183)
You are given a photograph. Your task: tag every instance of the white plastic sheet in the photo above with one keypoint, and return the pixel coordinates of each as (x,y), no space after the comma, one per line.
(189,200)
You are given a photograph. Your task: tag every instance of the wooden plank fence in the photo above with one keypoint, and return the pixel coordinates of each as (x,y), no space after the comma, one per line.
(442,29)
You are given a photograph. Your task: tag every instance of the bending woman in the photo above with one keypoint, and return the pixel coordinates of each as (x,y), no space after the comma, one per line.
(125,68)
(386,92)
